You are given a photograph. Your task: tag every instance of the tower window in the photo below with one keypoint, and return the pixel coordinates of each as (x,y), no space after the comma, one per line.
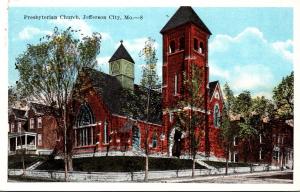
(172,47)
(196,44)
(181,43)
(175,84)
(201,48)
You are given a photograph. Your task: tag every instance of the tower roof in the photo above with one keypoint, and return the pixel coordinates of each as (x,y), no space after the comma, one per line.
(121,53)
(185,14)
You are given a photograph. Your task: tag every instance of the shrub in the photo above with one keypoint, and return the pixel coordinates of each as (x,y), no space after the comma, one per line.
(119,164)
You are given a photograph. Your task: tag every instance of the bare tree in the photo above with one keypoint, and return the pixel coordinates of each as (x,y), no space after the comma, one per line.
(191,113)
(151,82)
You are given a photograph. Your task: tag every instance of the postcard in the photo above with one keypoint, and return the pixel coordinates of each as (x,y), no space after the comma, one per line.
(171,96)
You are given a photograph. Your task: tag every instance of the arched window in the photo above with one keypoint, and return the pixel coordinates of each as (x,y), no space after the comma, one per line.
(201,48)
(216,116)
(196,44)
(181,43)
(85,116)
(85,127)
(172,47)
(154,140)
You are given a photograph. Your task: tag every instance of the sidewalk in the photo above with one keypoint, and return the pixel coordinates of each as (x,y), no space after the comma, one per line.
(258,177)
(155,176)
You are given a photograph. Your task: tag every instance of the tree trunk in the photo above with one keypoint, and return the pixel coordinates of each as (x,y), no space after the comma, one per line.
(146,168)
(194,165)
(23,161)
(70,163)
(281,161)
(65,142)
(227,159)
(146,140)
(66,167)
(107,150)
(22,155)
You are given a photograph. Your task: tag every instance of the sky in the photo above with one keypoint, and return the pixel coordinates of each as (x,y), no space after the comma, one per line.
(250,48)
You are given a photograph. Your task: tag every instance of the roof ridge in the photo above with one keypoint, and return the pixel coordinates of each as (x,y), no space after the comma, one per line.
(184,15)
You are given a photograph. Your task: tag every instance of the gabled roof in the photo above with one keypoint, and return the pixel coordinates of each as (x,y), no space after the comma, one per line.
(212,86)
(43,109)
(18,113)
(121,53)
(184,15)
(124,102)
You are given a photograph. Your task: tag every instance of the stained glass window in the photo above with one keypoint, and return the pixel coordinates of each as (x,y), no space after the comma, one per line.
(85,116)
(216,116)
(85,134)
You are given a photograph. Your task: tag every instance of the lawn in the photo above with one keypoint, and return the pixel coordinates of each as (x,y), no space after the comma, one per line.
(15,161)
(119,164)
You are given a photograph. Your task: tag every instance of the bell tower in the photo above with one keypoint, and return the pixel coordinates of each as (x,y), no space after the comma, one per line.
(185,43)
(121,65)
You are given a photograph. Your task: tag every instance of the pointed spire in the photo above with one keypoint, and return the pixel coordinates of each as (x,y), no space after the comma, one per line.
(121,53)
(184,15)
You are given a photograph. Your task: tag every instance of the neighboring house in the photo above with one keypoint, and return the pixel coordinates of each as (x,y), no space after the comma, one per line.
(282,142)
(35,128)
(18,132)
(272,145)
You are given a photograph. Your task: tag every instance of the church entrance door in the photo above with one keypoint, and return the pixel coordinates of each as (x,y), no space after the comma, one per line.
(176,150)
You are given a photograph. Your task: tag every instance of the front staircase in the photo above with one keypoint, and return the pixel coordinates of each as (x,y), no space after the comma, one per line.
(35,165)
(209,167)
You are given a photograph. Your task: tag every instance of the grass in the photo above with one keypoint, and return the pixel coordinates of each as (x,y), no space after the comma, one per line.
(219,164)
(119,164)
(15,161)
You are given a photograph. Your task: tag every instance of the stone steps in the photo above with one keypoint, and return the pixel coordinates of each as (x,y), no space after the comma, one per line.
(211,168)
(35,165)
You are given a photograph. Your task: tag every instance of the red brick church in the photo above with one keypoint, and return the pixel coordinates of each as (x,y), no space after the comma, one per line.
(111,108)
